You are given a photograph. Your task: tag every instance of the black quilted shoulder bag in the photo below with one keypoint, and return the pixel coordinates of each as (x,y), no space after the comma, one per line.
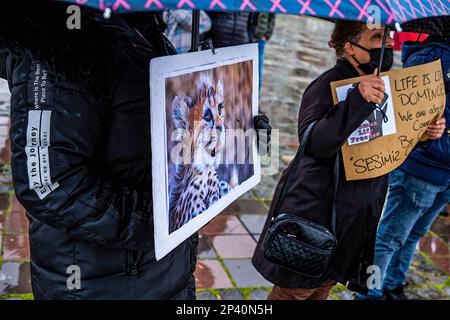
(295,243)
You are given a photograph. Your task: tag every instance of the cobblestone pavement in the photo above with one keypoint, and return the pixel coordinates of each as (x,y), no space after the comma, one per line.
(224,270)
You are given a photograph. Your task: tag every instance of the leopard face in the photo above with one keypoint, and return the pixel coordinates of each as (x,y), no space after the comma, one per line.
(202,113)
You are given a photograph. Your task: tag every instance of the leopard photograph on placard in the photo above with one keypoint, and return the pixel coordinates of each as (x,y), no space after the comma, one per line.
(204,146)
(201,107)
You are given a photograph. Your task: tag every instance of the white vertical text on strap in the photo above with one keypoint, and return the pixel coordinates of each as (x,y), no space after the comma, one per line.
(38,161)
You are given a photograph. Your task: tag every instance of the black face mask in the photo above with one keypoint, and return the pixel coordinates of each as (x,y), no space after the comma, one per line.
(369,68)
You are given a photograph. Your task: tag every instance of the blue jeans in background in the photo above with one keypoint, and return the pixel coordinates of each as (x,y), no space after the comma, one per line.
(261,48)
(411,207)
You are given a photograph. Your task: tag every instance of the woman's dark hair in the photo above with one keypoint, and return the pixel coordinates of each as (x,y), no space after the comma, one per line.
(345,31)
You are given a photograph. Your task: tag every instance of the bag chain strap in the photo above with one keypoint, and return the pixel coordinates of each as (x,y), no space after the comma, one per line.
(293,169)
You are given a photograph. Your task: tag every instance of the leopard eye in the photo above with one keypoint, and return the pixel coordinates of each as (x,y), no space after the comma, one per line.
(221,106)
(208,116)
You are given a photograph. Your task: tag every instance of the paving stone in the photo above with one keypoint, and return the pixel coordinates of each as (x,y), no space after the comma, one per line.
(16,222)
(15,278)
(259,294)
(423,265)
(253,222)
(4,121)
(16,247)
(289,141)
(233,246)
(415,278)
(5,181)
(209,274)
(428,293)
(345,295)
(443,263)
(245,206)
(231,295)
(6,185)
(434,246)
(412,295)
(418,258)
(265,190)
(16,206)
(244,274)
(205,249)
(4,200)
(205,295)
(437,279)
(442,228)
(268,203)
(224,224)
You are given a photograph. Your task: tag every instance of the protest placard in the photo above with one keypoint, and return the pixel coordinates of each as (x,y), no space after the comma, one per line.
(415,98)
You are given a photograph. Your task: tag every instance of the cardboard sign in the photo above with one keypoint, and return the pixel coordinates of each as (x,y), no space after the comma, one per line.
(414,98)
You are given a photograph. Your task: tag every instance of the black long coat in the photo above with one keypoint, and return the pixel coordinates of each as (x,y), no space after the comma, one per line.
(358,203)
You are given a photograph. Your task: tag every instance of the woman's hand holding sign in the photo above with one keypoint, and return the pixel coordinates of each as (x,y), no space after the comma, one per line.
(436,130)
(372,88)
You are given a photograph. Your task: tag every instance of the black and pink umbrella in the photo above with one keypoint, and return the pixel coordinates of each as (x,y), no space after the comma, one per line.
(388,12)
(392,13)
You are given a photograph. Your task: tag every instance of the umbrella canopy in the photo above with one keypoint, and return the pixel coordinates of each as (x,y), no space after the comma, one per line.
(390,11)
(438,26)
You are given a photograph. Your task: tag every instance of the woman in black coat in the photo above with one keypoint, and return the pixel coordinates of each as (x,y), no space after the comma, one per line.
(358,203)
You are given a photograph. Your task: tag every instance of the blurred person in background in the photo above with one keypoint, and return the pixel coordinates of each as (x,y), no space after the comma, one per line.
(262,33)
(231,28)
(179,28)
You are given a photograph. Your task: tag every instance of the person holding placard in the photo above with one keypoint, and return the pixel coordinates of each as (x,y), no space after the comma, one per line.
(312,193)
(317,190)
(418,190)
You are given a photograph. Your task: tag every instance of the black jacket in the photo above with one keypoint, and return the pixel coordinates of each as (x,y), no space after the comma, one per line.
(358,203)
(229,28)
(81,166)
